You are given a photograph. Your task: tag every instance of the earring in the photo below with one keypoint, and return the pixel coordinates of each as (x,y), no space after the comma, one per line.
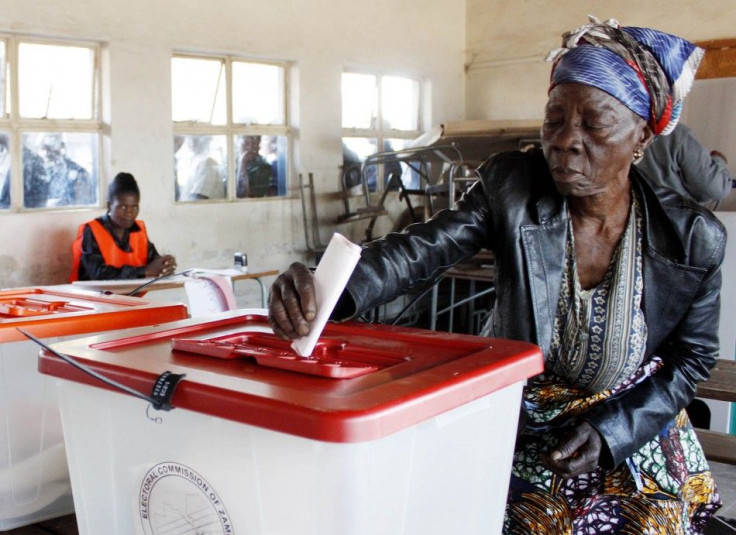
(638,153)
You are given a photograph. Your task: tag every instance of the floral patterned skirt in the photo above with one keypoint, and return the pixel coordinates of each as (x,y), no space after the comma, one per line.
(664,488)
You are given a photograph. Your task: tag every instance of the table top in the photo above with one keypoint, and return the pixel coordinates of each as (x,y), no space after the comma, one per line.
(477,268)
(124,286)
(722,382)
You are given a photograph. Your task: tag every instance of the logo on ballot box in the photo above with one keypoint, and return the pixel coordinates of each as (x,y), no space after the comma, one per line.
(176,500)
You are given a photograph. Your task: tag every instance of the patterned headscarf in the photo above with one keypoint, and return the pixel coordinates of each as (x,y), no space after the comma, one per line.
(649,71)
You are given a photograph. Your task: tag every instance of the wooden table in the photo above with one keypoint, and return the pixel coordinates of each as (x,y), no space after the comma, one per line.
(722,382)
(127,286)
(720,447)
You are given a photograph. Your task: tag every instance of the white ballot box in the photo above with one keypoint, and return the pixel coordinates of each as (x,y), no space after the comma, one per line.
(34,480)
(382,430)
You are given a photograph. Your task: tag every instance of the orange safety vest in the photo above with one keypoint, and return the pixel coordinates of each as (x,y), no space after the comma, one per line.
(112,254)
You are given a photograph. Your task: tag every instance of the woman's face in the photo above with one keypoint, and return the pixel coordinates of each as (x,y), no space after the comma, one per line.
(123,210)
(589,139)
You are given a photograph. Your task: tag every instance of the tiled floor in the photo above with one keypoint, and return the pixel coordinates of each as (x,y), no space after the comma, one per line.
(724,474)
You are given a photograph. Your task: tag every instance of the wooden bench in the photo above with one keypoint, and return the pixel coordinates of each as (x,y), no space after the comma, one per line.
(719,447)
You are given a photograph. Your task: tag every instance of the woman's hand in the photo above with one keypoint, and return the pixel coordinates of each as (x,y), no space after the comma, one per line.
(292,304)
(161,266)
(577,454)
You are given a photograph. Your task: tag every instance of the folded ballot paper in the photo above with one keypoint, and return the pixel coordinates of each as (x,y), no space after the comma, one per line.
(330,278)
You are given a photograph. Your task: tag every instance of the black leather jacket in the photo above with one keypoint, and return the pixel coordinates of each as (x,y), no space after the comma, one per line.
(516,212)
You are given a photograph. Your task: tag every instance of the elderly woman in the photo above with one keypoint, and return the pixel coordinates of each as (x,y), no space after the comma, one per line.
(616,281)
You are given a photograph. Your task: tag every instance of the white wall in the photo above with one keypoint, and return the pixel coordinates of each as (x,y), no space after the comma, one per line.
(320,37)
(507,78)
(508,41)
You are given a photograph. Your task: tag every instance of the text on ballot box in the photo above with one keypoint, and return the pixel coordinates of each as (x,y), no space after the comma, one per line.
(34,480)
(381,430)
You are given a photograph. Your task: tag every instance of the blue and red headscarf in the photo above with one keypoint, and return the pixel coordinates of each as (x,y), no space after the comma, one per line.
(649,71)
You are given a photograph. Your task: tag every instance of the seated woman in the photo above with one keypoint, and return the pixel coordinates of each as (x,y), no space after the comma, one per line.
(618,282)
(115,245)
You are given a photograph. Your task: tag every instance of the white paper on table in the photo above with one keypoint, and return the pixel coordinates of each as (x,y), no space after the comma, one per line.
(330,278)
(208,294)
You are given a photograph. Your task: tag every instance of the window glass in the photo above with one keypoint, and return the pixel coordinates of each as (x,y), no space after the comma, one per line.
(3,79)
(354,152)
(244,106)
(407,171)
(200,167)
(399,103)
(56,82)
(260,166)
(5,161)
(258,93)
(59,169)
(198,90)
(359,101)
(385,124)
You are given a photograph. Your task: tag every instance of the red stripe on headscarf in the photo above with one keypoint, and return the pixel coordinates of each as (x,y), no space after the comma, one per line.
(658,125)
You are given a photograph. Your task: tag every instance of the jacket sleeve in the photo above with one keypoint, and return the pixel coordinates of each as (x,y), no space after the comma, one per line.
(94,263)
(416,257)
(705,177)
(688,353)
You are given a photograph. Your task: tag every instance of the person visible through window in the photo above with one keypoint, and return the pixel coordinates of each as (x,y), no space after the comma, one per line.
(35,180)
(69,183)
(4,171)
(255,175)
(116,245)
(205,177)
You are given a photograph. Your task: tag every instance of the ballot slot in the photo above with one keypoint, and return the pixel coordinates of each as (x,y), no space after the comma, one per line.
(29,307)
(332,357)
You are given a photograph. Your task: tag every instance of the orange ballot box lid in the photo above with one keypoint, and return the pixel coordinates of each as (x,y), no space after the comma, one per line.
(362,382)
(48,311)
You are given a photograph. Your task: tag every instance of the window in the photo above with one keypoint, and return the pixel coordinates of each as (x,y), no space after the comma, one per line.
(224,106)
(379,113)
(49,124)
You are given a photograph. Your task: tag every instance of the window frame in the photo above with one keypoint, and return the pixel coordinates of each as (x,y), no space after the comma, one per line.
(381,134)
(16,126)
(231,130)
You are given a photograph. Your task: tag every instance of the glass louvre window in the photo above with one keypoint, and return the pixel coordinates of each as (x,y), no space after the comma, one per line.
(56,82)
(49,130)
(4,95)
(198,90)
(200,168)
(59,169)
(354,152)
(408,173)
(240,109)
(260,165)
(400,103)
(377,111)
(258,93)
(359,101)
(5,164)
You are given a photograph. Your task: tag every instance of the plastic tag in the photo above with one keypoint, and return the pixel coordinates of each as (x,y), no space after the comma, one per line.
(163,390)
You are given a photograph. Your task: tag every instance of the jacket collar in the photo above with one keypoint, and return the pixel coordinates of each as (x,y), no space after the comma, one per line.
(544,254)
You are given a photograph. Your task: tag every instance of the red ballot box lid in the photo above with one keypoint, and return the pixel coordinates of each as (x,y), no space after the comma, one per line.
(47,311)
(362,381)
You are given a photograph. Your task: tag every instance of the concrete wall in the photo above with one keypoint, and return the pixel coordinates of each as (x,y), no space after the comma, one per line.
(507,76)
(320,37)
